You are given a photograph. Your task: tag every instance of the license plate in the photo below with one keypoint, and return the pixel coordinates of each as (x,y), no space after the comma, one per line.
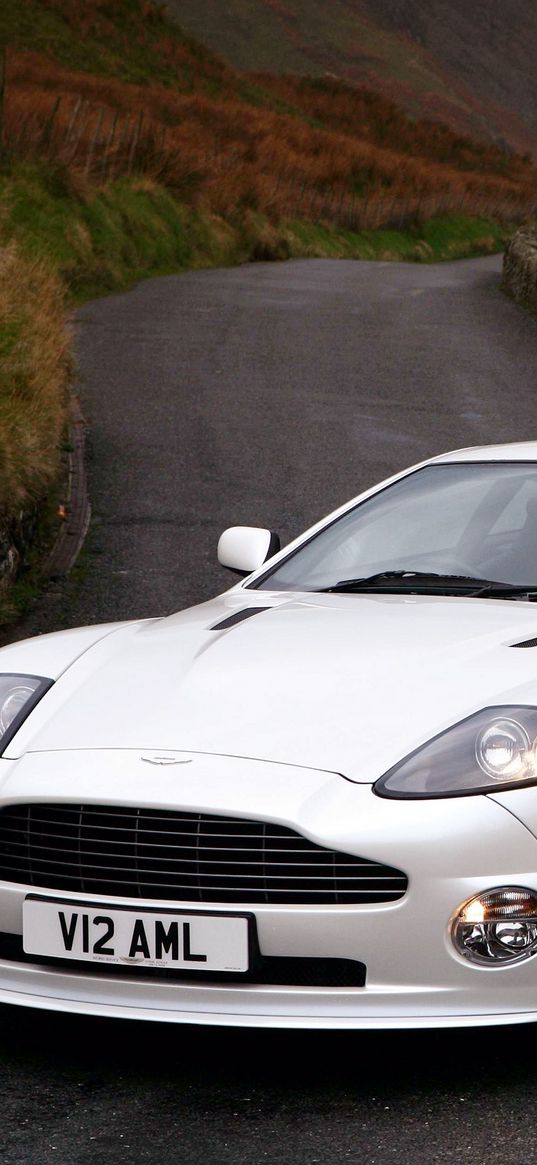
(131,936)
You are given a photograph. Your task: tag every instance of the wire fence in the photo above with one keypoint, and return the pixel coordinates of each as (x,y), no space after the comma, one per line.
(98,141)
(2,92)
(102,143)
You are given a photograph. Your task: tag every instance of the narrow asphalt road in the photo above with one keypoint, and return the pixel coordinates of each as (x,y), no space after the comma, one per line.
(267,395)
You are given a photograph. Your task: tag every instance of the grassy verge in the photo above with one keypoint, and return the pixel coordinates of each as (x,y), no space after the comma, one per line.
(101,241)
(437,240)
(35,373)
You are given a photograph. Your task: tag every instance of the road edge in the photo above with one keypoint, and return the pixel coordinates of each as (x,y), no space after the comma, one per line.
(64,553)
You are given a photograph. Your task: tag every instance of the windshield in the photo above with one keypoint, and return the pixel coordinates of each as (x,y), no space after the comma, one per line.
(474,519)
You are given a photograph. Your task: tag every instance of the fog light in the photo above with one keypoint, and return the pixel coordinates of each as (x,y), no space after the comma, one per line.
(497,927)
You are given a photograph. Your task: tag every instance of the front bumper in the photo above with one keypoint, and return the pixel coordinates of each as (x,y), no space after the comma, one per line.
(450,851)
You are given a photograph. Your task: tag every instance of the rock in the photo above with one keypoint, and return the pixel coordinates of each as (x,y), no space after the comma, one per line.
(520,267)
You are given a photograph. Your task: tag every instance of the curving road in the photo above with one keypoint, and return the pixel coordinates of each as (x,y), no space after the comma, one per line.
(266,395)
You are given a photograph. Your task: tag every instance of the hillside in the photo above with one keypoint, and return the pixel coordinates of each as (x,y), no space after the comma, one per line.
(110,88)
(488,45)
(469,65)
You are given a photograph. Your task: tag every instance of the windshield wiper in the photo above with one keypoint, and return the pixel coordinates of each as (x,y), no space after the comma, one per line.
(397,581)
(498,590)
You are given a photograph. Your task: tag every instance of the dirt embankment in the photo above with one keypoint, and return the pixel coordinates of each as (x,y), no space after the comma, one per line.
(520,267)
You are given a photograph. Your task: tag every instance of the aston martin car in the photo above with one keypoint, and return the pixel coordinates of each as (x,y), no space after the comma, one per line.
(310,802)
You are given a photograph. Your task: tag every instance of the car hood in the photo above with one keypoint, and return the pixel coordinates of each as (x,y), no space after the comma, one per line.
(346,683)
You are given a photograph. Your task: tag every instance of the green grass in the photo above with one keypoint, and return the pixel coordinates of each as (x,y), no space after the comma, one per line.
(103,241)
(438,240)
(106,239)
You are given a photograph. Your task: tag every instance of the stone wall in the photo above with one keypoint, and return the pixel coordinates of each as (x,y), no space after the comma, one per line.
(520,267)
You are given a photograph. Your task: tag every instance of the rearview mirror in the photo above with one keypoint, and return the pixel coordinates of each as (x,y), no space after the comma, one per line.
(245,548)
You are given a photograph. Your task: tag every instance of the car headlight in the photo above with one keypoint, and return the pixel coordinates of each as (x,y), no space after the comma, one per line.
(492,750)
(18,695)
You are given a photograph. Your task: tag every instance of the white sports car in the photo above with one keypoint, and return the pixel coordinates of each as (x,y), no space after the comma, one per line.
(311,802)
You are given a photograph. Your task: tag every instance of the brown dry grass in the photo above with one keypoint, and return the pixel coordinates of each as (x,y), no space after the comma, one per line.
(360,112)
(366,166)
(35,372)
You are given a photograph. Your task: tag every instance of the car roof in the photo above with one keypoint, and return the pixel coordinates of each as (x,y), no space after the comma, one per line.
(517,451)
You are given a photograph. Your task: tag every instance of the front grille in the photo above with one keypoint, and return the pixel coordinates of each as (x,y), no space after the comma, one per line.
(269,970)
(187,857)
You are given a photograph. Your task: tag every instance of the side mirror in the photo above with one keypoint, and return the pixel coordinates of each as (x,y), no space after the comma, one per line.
(245,548)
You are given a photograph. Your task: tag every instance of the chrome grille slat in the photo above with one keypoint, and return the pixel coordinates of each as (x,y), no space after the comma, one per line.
(230,874)
(174,833)
(208,861)
(292,877)
(193,857)
(209,849)
(97,811)
(241,894)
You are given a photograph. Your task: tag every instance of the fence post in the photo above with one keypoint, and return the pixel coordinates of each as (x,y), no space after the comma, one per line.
(109,144)
(72,120)
(124,137)
(93,142)
(134,143)
(352,213)
(76,130)
(48,130)
(2,92)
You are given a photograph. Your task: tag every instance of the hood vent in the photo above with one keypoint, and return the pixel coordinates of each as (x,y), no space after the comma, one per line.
(238,617)
(526,643)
